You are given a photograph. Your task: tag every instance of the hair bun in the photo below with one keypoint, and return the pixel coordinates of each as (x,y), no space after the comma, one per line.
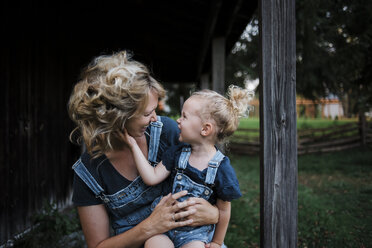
(239,99)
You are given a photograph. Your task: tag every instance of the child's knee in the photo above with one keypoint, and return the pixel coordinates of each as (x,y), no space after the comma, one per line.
(160,240)
(194,244)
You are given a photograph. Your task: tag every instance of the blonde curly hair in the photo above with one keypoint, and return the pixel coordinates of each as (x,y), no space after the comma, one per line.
(112,89)
(225,111)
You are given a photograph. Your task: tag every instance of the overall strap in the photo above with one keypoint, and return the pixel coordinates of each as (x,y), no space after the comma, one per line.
(213,165)
(89,180)
(156,128)
(184,157)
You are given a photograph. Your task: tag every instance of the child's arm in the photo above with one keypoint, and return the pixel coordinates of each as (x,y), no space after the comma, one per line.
(224,208)
(150,175)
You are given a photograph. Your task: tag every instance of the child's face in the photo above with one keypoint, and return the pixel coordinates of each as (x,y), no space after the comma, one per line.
(190,122)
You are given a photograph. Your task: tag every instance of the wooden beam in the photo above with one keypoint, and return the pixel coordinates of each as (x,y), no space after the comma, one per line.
(208,34)
(278,156)
(232,17)
(218,64)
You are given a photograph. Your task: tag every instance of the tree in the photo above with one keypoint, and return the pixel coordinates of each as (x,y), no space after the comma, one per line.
(242,63)
(334,53)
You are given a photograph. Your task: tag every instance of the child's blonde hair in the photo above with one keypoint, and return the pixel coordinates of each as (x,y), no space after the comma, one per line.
(225,111)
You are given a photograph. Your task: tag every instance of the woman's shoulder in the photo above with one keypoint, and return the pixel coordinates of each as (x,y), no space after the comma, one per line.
(168,122)
(102,172)
(170,131)
(97,167)
(90,162)
(83,195)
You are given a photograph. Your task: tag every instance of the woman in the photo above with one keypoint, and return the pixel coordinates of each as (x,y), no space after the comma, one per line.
(114,93)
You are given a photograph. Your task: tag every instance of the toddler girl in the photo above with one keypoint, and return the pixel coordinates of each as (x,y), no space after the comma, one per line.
(197,165)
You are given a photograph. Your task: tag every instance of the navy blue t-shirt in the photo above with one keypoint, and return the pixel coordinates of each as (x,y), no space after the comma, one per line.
(226,184)
(106,174)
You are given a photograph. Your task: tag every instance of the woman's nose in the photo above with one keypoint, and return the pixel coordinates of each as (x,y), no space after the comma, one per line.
(179,120)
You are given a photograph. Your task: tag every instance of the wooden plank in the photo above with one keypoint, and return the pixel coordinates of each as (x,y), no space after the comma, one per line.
(311,131)
(218,64)
(328,143)
(278,156)
(254,130)
(36,155)
(238,148)
(362,128)
(330,149)
(328,136)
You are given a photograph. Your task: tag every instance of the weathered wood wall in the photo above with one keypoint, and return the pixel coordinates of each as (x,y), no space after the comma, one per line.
(36,76)
(45,44)
(278,185)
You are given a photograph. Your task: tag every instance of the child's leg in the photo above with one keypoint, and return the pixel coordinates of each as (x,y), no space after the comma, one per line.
(194,244)
(160,240)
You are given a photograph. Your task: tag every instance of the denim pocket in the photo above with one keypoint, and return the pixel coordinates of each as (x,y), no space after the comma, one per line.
(183,182)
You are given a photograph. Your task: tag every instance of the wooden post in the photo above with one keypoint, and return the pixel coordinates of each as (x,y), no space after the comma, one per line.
(218,64)
(204,81)
(362,128)
(278,156)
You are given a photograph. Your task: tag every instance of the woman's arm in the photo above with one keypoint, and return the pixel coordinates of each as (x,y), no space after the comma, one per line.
(224,208)
(95,223)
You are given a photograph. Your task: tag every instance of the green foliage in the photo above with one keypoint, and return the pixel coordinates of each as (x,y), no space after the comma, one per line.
(334,200)
(333,51)
(49,226)
(242,62)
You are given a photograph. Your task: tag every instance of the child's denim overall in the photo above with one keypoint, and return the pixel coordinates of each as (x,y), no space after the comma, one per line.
(132,204)
(183,235)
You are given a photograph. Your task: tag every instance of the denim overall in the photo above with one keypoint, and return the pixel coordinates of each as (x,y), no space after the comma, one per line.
(131,205)
(186,234)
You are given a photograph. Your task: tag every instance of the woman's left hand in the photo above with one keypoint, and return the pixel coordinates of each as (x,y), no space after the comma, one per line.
(205,213)
(167,214)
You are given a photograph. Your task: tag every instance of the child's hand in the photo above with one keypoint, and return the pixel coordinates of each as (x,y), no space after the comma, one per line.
(212,245)
(129,140)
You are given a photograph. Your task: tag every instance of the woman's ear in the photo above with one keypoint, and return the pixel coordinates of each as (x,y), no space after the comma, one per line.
(207,129)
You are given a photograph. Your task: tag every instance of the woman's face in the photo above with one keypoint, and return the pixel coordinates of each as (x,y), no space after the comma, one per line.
(136,126)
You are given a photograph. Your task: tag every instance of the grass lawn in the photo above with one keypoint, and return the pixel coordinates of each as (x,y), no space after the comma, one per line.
(334,199)
(302,123)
